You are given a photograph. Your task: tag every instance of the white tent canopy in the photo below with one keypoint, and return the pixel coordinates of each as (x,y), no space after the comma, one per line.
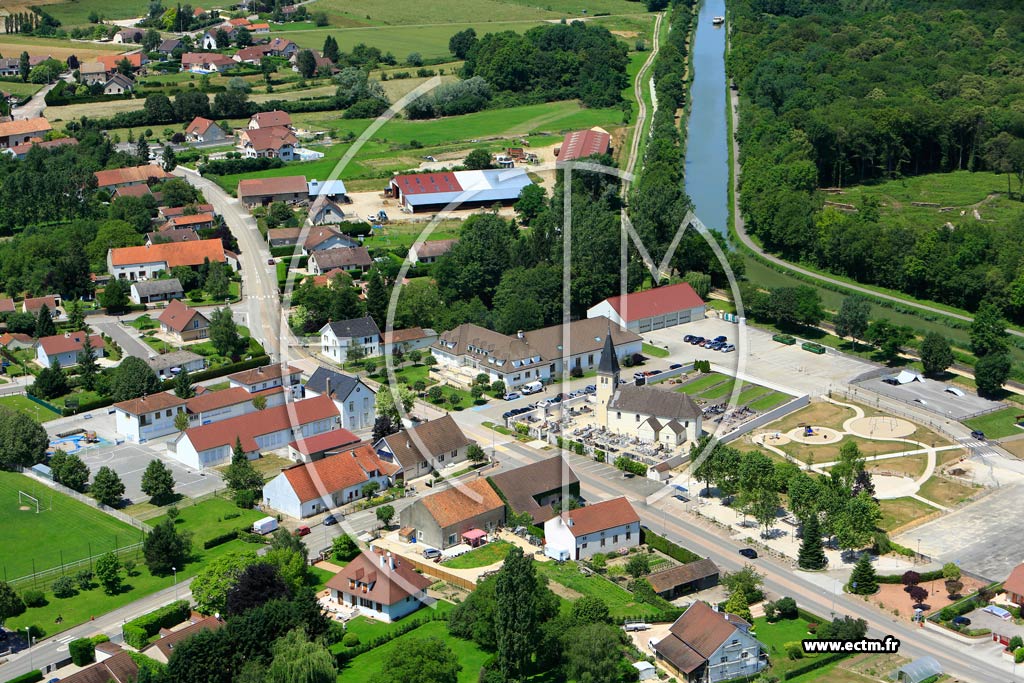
(906,377)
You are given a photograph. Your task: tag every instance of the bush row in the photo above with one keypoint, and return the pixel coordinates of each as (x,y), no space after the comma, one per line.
(813,665)
(232,166)
(343,656)
(220,540)
(898,578)
(662,544)
(137,632)
(28,677)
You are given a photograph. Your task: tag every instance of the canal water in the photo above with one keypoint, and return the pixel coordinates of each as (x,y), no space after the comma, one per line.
(707,155)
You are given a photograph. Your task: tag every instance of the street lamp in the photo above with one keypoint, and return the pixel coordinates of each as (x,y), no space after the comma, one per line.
(28,632)
(175,570)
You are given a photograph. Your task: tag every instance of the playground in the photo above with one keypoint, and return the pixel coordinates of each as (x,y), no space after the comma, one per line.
(76,442)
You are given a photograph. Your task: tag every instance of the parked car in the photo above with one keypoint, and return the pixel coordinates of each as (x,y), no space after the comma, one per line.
(748,553)
(675,366)
(961,621)
(330,520)
(639,375)
(271,261)
(688,338)
(431,553)
(728,348)
(696,340)
(590,388)
(513,395)
(301,531)
(721,338)
(978,434)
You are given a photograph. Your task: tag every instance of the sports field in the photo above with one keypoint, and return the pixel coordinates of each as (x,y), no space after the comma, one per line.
(34,410)
(69,530)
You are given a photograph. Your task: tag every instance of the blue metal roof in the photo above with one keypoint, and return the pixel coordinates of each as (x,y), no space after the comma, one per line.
(327,187)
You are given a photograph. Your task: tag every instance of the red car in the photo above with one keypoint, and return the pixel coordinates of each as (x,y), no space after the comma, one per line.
(301,531)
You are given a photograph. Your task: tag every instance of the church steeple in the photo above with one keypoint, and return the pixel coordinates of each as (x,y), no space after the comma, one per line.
(609,364)
(607,377)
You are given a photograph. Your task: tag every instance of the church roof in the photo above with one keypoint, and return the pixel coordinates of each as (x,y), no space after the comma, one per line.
(609,364)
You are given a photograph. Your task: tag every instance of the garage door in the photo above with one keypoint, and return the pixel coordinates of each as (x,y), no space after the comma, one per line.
(671,319)
(658,322)
(684,316)
(645,325)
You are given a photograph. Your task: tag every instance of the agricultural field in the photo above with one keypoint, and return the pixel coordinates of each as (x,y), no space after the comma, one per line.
(76,12)
(65,529)
(19,88)
(13,45)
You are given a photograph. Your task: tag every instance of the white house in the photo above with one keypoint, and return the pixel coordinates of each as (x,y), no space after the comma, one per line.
(146,262)
(321,238)
(651,309)
(424,448)
(525,357)
(265,430)
(356,401)
(336,338)
(148,417)
(380,586)
(409,339)
(61,350)
(214,406)
(210,40)
(268,377)
(605,527)
(707,646)
(310,488)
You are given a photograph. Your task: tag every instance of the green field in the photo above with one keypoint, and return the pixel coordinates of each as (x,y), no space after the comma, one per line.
(76,12)
(367,629)
(481,557)
(998,424)
(368,666)
(371,12)
(402,143)
(776,635)
(68,531)
(33,410)
(20,89)
(620,601)
(209,519)
(654,351)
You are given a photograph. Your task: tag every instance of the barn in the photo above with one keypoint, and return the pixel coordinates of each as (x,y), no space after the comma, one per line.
(423,192)
(652,309)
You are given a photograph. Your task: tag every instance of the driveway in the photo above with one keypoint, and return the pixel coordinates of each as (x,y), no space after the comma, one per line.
(128,342)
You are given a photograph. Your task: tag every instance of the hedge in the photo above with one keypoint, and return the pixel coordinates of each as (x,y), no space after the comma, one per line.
(82,651)
(814,664)
(342,656)
(662,544)
(232,166)
(898,578)
(29,677)
(213,373)
(138,631)
(220,540)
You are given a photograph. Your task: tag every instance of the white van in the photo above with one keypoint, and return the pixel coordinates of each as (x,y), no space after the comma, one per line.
(532,388)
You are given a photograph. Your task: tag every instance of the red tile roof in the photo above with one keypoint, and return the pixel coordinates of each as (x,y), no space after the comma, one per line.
(177,315)
(323,477)
(255,187)
(167,643)
(35,304)
(656,301)
(7,305)
(269,119)
(583,143)
(384,585)
(406,335)
(45,144)
(212,400)
(268,137)
(149,404)
(1015,582)
(173,254)
(172,211)
(247,427)
(133,191)
(71,341)
(262,374)
(194,219)
(336,438)
(24,126)
(421,183)
(434,248)
(190,59)
(199,125)
(132,174)
(110,62)
(9,337)
(451,506)
(600,516)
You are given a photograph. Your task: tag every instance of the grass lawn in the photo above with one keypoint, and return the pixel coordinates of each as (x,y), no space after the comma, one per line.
(70,530)
(19,88)
(269,466)
(81,395)
(143,322)
(322,577)
(395,235)
(409,375)
(211,517)
(620,601)
(481,557)
(654,351)
(945,491)
(367,629)
(750,392)
(33,410)
(76,13)
(816,414)
(998,424)
(776,635)
(701,383)
(900,511)
(369,666)
(15,44)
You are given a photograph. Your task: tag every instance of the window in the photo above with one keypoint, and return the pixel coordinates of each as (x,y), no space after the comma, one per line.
(628,535)
(744,655)
(618,414)
(195,324)
(615,538)
(440,458)
(724,659)
(590,360)
(584,546)
(602,542)
(168,413)
(451,539)
(351,406)
(638,417)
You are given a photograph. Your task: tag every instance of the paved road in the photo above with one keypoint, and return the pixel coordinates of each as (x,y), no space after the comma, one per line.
(641,116)
(741,232)
(54,649)
(262,304)
(35,106)
(128,342)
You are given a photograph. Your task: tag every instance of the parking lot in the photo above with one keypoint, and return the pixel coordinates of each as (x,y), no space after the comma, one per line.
(759,357)
(129,460)
(932,396)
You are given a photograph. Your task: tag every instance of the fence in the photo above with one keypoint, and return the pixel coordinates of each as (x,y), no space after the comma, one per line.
(438,572)
(45,404)
(82,498)
(765,418)
(184,503)
(43,580)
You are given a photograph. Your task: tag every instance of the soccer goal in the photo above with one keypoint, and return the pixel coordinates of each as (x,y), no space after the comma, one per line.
(23,497)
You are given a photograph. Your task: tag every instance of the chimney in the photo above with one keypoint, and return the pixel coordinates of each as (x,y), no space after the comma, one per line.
(391,561)
(260,370)
(383,562)
(519,334)
(714,606)
(328,392)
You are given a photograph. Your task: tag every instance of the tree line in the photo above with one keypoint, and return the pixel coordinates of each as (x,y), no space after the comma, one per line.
(838,94)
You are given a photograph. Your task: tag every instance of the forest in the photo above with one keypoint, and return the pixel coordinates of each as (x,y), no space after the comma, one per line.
(846,93)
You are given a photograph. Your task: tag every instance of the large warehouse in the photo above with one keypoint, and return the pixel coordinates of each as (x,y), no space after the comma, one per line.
(421,192)
(580,144)
(652,309)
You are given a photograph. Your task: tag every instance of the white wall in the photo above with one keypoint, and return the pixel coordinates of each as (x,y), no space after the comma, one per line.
(358,410)
(136,271)
(559,539)
(159,424)
(278,495)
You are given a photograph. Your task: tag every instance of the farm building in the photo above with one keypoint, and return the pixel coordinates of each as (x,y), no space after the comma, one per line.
(652,309)
(581,144)
(419,192)
(263,191)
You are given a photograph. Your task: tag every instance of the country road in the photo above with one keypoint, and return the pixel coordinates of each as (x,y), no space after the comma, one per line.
(741,232)
(641,115)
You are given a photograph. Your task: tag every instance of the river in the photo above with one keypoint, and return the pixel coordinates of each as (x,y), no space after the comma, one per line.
(707,154)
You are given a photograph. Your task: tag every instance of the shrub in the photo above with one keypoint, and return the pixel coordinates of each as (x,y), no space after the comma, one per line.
(82,651)
(33,598)
(1018,655)
(350,640)
(786,608)
(794,650)
(29,677)
(1015,643)
(676,552)
(220,540)
(576,372)
(64,587)
(245,499)
(138,631)
(769,611)
(84,579)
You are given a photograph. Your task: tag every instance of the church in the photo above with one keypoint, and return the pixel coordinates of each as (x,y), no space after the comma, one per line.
(652,415)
